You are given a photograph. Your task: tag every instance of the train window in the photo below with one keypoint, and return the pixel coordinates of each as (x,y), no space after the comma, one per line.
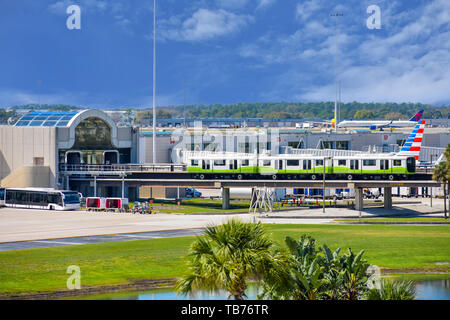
(292,162)
(342,163)
(245,163)
(2,194)
(266,163)
(194,162)
(319,163)
(397,163)
(219,162)
(370,163)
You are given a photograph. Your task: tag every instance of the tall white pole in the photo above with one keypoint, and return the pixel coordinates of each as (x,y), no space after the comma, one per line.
(336,113)
(154,81)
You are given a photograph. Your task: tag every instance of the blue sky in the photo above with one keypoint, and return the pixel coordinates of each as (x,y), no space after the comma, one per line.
(227,51)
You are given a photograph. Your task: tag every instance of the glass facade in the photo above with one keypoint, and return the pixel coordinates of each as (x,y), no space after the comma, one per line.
(93,145)
(93,134)
(46,119)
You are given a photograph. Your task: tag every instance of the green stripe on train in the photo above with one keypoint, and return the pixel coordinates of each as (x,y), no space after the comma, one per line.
(317,170)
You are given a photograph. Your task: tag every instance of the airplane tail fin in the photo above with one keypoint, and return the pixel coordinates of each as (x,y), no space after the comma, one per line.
(417,116)
(411,148)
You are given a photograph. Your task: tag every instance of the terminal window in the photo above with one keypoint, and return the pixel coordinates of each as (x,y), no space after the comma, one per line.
(342,145)
(295,144)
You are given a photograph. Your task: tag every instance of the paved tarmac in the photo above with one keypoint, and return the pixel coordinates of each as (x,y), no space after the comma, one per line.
(25,228)
(58,242)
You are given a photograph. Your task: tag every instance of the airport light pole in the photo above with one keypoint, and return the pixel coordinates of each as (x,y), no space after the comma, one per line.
(323,190)
(431,188)
(336,113)
(184,104)
(39,92)
(154,81)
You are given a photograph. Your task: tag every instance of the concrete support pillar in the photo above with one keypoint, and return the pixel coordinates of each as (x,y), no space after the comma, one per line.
(359,200)
(123,186)
(95,186)
(225,198)
(388,198)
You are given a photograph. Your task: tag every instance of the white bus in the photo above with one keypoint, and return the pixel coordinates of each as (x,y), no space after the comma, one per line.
(39,198)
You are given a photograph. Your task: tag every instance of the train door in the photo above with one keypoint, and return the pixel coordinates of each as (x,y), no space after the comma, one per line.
(206,165)
(280,165)
(234,165)
(354,164)
(307,165)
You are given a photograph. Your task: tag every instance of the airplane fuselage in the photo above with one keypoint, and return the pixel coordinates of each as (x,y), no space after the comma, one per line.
(376,124)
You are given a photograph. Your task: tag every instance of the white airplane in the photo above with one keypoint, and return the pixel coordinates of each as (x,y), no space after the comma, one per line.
(380,124)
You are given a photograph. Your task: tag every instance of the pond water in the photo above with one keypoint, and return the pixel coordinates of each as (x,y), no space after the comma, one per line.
(426,290)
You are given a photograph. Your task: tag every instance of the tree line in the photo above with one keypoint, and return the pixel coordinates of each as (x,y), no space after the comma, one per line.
(266,110)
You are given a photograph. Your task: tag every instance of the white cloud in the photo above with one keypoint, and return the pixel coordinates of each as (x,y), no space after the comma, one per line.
(306,9)
(239,4)
(409,64)
(405,61)
(60,7)
(204,24)
(265,3)
(232,4)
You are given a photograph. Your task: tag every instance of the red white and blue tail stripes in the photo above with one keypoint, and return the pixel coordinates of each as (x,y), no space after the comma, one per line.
(411,148)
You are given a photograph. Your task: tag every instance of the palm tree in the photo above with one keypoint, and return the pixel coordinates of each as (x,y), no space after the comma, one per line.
(298,277)
(354,276)
(307,275)
(393,290)
(226,257)
(440,174)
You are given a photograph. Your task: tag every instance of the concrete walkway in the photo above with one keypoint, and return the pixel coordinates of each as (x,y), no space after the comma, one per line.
(406,210)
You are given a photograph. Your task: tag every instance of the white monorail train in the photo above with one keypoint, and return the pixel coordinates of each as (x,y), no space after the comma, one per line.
(298,167)
(223,165)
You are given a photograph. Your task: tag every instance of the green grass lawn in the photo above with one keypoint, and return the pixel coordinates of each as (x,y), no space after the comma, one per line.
(415,219)
(189,206)
(44,269)
(201,206)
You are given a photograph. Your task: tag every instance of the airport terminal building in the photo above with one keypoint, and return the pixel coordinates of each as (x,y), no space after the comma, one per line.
(34,150)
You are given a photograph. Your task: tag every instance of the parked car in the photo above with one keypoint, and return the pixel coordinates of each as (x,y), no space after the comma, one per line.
(193,193)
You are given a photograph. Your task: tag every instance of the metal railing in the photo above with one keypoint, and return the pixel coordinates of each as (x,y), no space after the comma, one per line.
(122,167)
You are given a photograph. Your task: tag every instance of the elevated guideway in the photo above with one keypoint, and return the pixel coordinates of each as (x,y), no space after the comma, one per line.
(175,175)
